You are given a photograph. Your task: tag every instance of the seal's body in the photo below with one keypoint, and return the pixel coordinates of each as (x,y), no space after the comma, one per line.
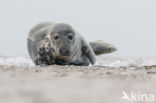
(58,43)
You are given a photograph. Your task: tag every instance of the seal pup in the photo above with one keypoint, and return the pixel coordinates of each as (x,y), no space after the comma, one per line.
(58,43)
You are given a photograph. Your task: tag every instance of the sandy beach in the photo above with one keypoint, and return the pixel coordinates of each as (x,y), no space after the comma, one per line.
(73,30)
(74,84)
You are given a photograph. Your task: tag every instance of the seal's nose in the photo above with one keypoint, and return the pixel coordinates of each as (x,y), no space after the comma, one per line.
(64,52)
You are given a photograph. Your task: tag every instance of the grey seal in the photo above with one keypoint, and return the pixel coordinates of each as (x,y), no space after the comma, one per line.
(59,44)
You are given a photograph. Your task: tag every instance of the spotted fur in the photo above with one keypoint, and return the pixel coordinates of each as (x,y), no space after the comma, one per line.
(45,50)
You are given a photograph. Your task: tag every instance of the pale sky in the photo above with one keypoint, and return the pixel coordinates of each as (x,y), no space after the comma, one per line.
(128,24)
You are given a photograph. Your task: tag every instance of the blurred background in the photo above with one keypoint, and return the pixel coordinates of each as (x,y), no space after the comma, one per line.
(128,24)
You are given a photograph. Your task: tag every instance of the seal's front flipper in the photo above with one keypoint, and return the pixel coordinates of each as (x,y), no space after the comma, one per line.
(100,47)
(88,51)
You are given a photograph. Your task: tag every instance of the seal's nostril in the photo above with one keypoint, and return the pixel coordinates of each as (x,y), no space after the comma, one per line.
(64,52)
(67,52)
(60,51)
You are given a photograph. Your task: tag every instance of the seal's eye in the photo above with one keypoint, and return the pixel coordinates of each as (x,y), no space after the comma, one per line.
(70,37)
(56,37)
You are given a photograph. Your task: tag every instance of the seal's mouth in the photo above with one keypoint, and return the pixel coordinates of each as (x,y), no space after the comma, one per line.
(62,57)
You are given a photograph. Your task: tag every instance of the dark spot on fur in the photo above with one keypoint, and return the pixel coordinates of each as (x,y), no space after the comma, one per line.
(45,57)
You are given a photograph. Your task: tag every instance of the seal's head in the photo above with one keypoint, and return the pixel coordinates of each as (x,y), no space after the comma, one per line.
(63,39)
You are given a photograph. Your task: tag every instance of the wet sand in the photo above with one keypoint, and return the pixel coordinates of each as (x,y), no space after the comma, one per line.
(70,84)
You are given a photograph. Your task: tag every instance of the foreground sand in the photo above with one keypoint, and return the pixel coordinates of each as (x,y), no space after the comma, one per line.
(70,84)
